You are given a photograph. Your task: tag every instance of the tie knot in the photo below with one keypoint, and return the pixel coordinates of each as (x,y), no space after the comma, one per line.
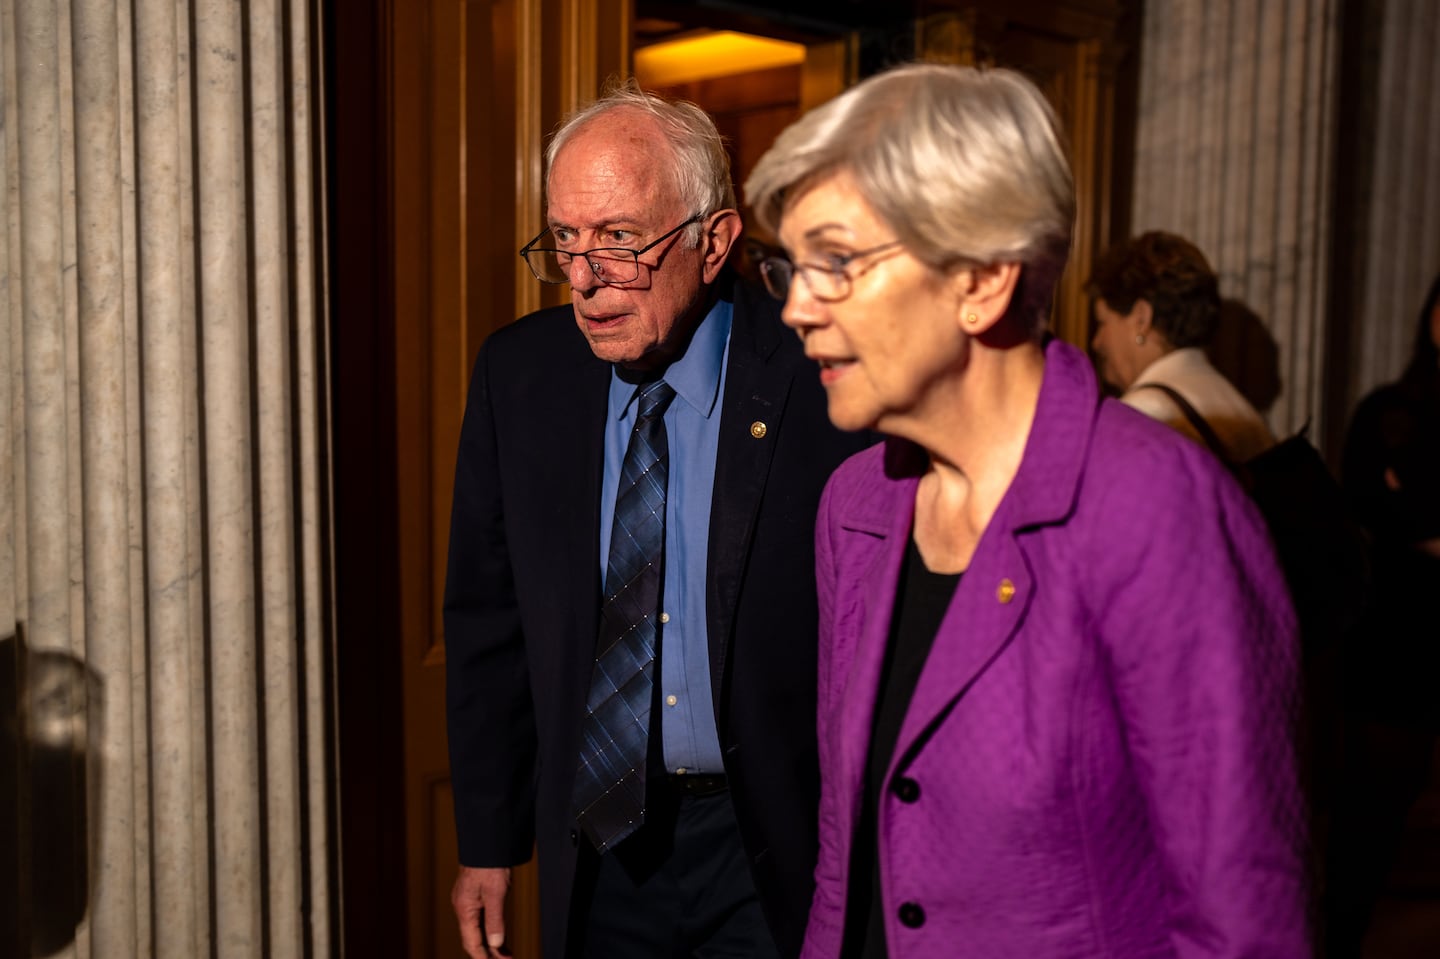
(653,398)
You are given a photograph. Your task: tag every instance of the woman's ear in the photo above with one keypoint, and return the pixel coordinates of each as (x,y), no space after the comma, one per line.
(1141,318)
(722,229)
(985,292)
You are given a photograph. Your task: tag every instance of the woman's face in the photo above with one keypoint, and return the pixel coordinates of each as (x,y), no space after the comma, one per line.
(1116,346)
(895,334)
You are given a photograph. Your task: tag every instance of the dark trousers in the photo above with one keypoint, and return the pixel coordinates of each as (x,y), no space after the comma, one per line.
(680,887)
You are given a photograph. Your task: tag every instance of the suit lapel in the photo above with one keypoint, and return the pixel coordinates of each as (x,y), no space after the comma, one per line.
(757,385)
(570,427)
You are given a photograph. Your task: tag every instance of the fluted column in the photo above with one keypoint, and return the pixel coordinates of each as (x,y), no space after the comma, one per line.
(1400,255)
(164,540)
(1234,150)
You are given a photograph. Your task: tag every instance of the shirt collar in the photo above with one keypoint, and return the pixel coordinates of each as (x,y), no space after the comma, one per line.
(695,376)
(1180,360)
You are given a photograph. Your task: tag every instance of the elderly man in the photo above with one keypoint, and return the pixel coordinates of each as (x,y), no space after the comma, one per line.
(630,605)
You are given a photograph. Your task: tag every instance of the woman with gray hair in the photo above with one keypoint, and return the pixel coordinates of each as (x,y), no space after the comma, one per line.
(1057,658)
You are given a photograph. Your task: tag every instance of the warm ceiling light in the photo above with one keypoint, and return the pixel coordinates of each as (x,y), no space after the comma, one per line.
(718,54)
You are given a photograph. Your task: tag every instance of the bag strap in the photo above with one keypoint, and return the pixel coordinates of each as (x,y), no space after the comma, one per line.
(1196,420)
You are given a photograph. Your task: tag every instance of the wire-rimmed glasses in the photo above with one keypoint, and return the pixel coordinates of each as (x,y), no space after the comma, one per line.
(829,281)
(610,265)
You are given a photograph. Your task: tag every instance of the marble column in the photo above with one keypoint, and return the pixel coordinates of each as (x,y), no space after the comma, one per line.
(1397,253)
(1235,140)
(163,544)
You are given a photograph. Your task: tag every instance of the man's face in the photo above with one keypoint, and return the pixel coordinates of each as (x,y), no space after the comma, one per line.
(611,186)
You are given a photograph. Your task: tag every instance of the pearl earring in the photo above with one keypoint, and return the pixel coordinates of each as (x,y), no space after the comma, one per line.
(1139,339)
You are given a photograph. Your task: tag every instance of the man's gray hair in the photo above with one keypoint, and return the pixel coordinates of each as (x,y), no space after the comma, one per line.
(701,167)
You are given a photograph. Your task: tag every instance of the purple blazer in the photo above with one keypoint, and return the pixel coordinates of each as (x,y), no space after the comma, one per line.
(1099,758)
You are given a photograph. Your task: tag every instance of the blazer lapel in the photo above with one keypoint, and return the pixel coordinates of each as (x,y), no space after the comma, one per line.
(990,605)
(877,530)
(984,616)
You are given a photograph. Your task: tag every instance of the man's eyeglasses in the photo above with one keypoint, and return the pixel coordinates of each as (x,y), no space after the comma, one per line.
(610,265)
(829,281)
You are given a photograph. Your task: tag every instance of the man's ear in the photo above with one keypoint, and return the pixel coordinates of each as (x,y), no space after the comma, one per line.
(722,231)
(984,294)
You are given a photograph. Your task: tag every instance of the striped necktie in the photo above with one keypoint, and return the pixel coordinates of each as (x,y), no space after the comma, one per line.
(609,796)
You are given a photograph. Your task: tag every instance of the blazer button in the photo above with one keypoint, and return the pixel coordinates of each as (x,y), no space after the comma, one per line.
(905,789)
(574,837)
(911,915)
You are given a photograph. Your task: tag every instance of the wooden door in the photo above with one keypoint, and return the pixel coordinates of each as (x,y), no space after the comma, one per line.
(1080,52)
(465,92)
(475,87)
(1076,52)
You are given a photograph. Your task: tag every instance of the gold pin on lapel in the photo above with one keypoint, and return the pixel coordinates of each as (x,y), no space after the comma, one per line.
(758,430)
(1006,591)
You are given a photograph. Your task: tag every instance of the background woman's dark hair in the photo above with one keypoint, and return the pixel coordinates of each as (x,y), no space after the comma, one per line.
(1172,275)
(1425,360)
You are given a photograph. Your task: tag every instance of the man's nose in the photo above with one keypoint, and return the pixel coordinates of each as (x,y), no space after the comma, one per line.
(582,276)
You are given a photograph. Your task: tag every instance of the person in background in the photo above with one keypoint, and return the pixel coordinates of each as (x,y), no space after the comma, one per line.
(1391,450)
(1391,661)
(1058,664)
(1157,305)
(630,619)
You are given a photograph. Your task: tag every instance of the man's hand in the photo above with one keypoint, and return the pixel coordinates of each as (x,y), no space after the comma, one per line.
(479,902)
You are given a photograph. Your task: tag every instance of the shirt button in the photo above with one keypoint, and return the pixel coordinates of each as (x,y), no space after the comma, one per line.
(1005,591)
(911,915)
(671,700)
(664,617)
(905,789)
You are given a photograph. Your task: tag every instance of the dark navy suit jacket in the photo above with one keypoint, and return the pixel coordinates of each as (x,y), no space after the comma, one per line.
(522,599)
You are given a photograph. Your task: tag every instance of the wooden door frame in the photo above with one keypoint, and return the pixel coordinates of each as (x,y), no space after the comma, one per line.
(382,606)
(373,868)
(369,861)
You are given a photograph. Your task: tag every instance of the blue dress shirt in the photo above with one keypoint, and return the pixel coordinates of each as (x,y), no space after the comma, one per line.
(692,426)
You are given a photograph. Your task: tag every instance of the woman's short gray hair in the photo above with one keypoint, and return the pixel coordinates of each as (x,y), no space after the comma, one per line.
(965,164)
(701,167)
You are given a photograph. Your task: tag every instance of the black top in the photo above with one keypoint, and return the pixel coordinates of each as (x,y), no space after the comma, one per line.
(1391,472)
(921,598)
